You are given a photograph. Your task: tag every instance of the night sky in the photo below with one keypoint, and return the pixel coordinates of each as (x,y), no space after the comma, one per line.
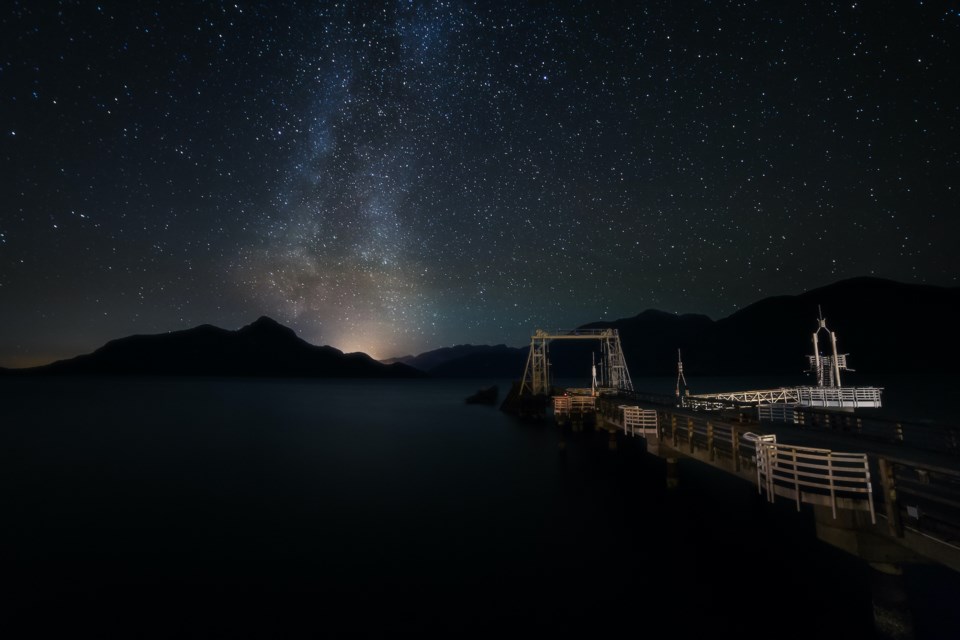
(395,177)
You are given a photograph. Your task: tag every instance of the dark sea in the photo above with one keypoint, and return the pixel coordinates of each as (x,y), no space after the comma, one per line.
(181,508)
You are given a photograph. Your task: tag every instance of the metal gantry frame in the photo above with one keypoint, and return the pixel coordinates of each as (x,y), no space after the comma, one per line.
(614,373)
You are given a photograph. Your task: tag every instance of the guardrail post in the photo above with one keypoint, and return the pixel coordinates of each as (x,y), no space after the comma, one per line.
(673,428)
(690,433)
(898,431)
(892,506)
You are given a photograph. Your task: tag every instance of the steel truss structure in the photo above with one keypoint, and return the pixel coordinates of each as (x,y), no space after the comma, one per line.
(614,373)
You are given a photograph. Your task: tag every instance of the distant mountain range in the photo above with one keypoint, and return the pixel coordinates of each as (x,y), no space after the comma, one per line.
(885,326)
(468,360)
(264,348)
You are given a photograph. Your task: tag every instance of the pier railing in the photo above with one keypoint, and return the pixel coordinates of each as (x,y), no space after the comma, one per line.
(940,438)
(569,404)
(640,422)
(850,397)
(920,497)
(918,501)
(777,413)
(692,433)
(814,476)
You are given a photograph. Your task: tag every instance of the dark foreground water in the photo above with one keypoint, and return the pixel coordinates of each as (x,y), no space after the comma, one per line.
(223,508)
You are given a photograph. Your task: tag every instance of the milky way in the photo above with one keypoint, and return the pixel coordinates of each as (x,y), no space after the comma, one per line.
(393,177)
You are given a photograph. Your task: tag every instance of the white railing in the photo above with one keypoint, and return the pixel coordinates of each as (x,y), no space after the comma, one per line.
(564,405)
(760,442)
(582,404)
(637,421)
(839,397)
(813,476)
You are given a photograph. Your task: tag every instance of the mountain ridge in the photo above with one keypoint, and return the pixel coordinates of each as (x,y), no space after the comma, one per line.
(769,336)
(263,348)
(884,325)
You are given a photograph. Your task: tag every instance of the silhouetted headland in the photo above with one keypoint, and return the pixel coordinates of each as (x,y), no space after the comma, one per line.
(264,348)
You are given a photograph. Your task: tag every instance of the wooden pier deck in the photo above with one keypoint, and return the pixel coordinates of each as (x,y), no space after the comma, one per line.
(885,492)
(878,497)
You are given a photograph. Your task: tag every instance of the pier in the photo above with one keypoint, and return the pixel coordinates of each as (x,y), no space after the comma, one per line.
(885,491)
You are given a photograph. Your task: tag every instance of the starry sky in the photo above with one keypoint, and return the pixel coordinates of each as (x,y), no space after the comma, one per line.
(392,177)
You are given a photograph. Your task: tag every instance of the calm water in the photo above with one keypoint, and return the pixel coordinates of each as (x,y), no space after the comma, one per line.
(225,508)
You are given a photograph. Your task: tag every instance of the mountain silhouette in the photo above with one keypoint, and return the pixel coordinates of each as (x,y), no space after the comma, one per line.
(468,360)
(264,348)
(885,326)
